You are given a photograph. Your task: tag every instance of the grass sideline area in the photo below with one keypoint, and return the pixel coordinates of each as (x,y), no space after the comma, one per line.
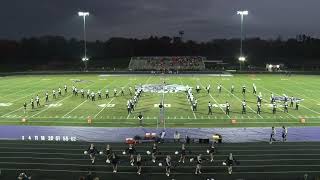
(69,110)
(66,161)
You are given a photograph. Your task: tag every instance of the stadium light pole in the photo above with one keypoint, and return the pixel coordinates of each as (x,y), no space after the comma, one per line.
(85,59)
(242,58)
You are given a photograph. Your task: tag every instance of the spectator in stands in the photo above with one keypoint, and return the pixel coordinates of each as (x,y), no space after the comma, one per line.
(176,136)
(23,176)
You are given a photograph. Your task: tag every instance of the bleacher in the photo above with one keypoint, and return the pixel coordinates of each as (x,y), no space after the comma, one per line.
(162,63)
(66,161)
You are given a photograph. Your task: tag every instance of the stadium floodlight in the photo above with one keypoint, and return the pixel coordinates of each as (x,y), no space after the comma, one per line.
(242,59)
(242,14)
(85,59)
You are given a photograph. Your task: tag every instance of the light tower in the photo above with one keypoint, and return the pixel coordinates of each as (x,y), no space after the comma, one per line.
(84,59)
(242,58)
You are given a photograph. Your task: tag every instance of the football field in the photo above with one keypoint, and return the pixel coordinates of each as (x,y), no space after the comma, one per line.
(70,110)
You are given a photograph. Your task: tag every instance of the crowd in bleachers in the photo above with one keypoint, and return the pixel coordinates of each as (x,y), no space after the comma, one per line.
(161,63)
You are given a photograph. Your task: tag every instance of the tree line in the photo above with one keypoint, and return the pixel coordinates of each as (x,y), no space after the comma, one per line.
(56,52)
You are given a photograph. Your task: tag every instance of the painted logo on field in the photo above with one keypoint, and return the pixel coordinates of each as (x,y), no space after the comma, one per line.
(165,105)
(5,104)
(80,81)
(160,88)
(54,105)
(282,98)
(106,105)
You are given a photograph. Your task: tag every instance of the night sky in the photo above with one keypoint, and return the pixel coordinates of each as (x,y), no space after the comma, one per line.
(201,20)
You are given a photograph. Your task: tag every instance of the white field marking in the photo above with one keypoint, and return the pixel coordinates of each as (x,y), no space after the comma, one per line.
(5,104)
(40,91)
(128,116)
(16,92)
(57,102)
(193,113)
(103,108)
(215,101)
(165,105)
(127,122)
(45,79)
(45,109)
(54,117)
(6,115)
(24,83)
(74,108)
(241,101)
(300,105)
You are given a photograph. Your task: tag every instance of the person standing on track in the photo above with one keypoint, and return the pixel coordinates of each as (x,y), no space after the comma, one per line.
(284,133)
(272,135)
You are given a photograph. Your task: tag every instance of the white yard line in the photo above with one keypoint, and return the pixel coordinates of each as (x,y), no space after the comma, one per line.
(103,108)
(16,92)
(74,109)
(194,114)
(241,101)
(45,109)
(214,100)
(11,112)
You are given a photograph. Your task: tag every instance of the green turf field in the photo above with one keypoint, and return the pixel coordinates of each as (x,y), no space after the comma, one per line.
(71,110)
